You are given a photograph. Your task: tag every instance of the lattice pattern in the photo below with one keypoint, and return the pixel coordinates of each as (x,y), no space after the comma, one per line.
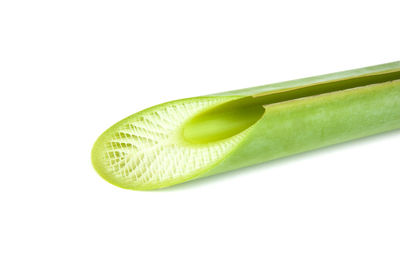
(149,148)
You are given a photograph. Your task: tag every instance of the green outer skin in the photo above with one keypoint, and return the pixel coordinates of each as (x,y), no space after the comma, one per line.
(302,124)
(305,124)
(308,123)
(313,80)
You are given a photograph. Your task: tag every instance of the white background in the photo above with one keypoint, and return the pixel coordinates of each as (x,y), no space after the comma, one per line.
(70,69)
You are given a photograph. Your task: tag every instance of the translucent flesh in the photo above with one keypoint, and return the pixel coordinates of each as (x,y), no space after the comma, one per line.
(147,150)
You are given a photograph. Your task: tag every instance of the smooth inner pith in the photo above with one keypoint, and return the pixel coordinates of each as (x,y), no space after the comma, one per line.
(233,117)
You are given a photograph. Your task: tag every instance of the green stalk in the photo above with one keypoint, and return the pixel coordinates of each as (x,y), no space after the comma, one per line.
(191,138)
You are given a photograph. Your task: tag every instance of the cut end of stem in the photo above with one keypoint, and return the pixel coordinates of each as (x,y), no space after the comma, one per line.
(149,150)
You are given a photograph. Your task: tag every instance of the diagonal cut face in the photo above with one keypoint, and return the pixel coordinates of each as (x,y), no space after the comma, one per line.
(147,150)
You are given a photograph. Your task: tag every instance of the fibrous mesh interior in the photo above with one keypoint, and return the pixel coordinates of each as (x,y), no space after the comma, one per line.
(149,148)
